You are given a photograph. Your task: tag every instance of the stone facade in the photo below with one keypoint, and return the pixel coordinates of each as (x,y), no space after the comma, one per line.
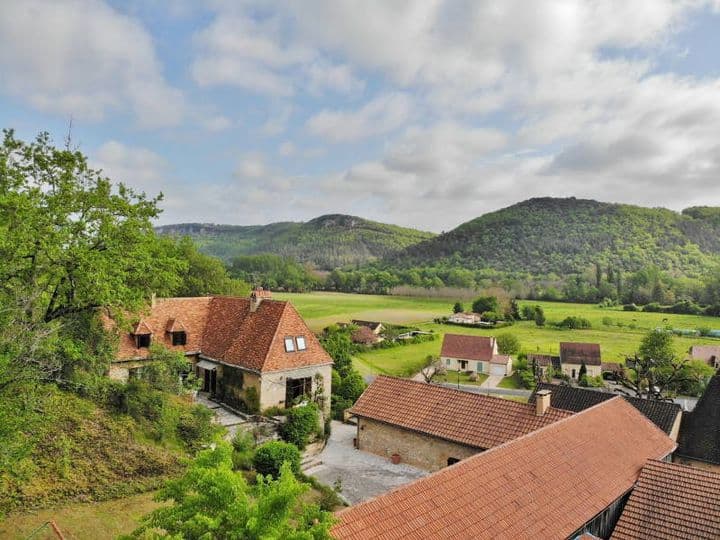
(417,449)
(592,371)
(273,385)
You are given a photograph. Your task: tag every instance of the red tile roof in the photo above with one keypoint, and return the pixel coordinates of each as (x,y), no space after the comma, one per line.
(464,417)
(672,502)
(500,359)
(468,347)
(547,484)
(225,329)
(577,353)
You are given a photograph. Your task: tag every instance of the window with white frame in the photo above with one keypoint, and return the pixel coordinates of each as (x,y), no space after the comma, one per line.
(301,346)
(289,344)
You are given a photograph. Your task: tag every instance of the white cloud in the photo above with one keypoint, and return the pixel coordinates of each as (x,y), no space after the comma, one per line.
(137,167)
(252,166)
(381,115)
(82,58)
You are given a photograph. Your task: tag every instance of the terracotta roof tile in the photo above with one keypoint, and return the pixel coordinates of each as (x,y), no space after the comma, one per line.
(577,353)
(464,417)
(468,347)
(672,502)
(225,329)
(546,484)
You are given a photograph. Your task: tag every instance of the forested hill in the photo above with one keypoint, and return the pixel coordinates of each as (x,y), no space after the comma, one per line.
(564,236)
(327,242)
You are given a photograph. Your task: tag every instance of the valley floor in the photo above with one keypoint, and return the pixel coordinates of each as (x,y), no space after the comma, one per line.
(618,332)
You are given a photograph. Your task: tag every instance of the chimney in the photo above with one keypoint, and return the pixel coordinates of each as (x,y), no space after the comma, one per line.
(256,297)
(542,402)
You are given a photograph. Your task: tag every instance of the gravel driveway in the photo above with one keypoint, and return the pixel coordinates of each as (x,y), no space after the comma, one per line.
(362,475)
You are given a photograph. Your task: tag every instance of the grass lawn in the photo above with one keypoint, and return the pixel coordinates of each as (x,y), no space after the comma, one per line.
(101,520)
(452,377)
(509,382)
(617,340)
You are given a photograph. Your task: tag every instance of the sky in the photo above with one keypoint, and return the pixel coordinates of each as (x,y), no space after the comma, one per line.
(419,113)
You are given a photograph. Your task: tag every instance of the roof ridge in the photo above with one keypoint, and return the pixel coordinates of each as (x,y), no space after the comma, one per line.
(464,392)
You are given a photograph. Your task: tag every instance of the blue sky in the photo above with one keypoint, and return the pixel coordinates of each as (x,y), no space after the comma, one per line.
(420,113)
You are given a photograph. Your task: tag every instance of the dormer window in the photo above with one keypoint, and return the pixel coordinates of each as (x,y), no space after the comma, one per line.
(301,346)
(179,338)
(143,341)
(289,344)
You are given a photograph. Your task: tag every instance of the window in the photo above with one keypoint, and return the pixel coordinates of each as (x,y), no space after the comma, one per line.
(143,341)
(463,364)
(179,338)
(289,344)
(479,367)
(301,343)
(447,361)
(296,389)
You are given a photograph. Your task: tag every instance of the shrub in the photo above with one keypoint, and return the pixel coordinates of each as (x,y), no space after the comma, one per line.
(300,424)
(607,321)
(575,323)
(704,331)
(630,307)
(473,377)
(252,400)
(270,456)
(492,316)
(653,307)
(508,344)
(528,313)
(527,379)
(243,450)
(195,427)
(539,316)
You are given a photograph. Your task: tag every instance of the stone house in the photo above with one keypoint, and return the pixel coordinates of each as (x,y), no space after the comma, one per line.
(465,318)
(566,479)
(431,426)
(699,440)
(474,353)
(573,355)
(374,326)
(251,353)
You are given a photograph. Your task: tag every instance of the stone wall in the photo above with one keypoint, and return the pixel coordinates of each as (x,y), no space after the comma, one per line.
(272,385)
(417,449)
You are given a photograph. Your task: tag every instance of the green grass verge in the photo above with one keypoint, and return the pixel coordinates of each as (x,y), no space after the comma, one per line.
(103,520)
(510,382)
(452,377)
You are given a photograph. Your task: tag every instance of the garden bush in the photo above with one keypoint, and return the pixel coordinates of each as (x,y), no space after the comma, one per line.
(270,456)
(300,424)
(630,307)
(575,323)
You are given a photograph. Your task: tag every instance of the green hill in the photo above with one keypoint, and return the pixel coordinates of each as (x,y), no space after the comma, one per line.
(564,236)
(325,242)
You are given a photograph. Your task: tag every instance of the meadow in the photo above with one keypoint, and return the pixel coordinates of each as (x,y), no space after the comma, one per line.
(618,332)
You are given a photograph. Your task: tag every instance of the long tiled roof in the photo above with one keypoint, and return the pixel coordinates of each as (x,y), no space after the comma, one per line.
(464,417)
(468,347)
(225,329)
(547,484)
(700,430)
(577,353)
(662,413)
(672,502)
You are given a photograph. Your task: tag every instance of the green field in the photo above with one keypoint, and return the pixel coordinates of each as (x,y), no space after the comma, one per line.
(616,342)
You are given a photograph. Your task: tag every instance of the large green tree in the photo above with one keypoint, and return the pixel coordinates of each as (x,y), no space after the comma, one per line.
(211,500)
(657,373)
(70,239)
(205,274)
